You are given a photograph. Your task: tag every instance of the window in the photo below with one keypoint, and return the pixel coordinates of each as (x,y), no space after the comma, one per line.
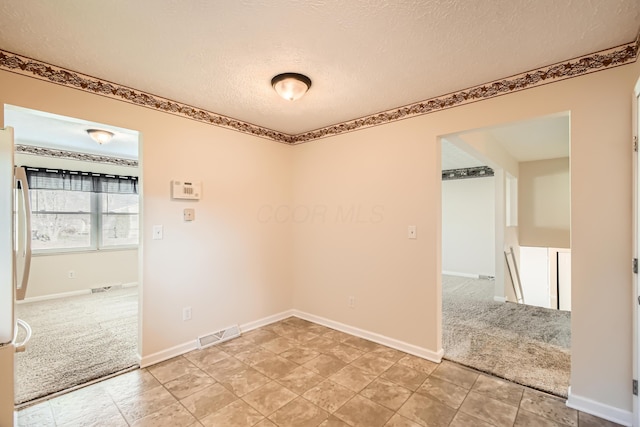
(82,211)
(61,220)
(119,219)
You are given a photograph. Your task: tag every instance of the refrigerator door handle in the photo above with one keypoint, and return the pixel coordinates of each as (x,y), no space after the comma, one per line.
(21,177)
(21,346)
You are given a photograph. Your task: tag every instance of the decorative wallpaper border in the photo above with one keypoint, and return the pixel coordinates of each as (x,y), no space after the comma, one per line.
(586,64)
(466,173)
(576,67)
(72,155)
(43,71)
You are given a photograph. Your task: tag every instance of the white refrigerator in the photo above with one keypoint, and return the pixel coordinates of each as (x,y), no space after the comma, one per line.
(15,260)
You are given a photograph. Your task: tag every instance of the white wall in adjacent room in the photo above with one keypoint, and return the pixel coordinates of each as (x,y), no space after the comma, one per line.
(482,145)
(91,269)
(468,226)
(534,276)
(22,159)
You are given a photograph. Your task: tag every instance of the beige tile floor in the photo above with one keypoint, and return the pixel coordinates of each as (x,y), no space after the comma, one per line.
(297,373)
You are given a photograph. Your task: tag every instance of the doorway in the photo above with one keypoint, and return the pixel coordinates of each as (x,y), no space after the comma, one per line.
(505,218)
(82,300)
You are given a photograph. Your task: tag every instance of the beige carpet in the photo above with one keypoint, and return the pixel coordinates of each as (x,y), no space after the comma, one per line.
(76,340)
(524,344)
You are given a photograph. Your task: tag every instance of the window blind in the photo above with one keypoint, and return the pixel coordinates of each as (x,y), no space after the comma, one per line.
(60,179)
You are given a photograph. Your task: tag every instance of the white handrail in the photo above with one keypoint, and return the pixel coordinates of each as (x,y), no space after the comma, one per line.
(20,347)
(21,176)
(514,274)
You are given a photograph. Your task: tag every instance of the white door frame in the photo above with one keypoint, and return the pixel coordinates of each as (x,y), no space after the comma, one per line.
(636,251)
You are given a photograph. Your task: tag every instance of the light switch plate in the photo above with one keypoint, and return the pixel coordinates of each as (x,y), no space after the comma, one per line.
(158,232)
(413,232)
(189,214)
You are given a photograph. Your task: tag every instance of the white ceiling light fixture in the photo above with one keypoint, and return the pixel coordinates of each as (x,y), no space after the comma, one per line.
(100,136)
(291,86)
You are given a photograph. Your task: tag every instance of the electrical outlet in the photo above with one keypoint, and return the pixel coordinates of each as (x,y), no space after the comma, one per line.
(186,313)
(72,274)
(351,301)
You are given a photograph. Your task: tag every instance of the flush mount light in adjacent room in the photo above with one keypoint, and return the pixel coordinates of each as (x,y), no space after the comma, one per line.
(100,136)
(291,86)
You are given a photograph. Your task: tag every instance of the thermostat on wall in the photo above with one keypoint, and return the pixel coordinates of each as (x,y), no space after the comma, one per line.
(186,190)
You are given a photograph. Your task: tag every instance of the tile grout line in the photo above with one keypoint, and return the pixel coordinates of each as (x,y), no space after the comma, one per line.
(368,354)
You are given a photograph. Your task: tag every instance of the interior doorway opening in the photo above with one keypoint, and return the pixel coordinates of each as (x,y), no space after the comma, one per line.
(506,251)
(82,299)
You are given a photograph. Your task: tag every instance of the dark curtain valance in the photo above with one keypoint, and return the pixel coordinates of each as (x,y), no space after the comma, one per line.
(59,179)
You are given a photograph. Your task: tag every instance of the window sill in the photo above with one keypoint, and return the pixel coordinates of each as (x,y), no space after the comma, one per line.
(57,252)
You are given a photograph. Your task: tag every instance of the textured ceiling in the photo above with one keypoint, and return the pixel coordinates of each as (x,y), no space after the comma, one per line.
(454,157)
(540,138)
(537,139)
(40,129)
(363,56)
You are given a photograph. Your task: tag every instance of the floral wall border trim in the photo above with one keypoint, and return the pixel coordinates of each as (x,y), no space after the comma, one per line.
(466,173)
(625,54)
(43,71)
(72,155)
(609,58)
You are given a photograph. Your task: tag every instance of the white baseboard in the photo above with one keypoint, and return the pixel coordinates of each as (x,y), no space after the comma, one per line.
(68,294)
(499,299)
(583,404)
(55,296)
(265,321)
(457,273)
(169,353)
(601,410)
(188,346)
(178,350)
(434,356)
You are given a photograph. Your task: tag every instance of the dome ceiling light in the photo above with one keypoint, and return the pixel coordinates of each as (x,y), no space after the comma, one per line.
(291,86)
(100,136)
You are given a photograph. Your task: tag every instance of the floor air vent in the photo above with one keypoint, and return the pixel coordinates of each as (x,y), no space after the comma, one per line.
(105,288)
(219,336)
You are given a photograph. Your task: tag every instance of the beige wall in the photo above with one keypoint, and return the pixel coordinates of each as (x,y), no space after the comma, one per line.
(544,203)
(234,265)
(228,266)
(393,279)
(396,280)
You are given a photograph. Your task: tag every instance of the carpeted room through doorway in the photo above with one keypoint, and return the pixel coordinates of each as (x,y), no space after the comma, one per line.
(525,344)
(76,340)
